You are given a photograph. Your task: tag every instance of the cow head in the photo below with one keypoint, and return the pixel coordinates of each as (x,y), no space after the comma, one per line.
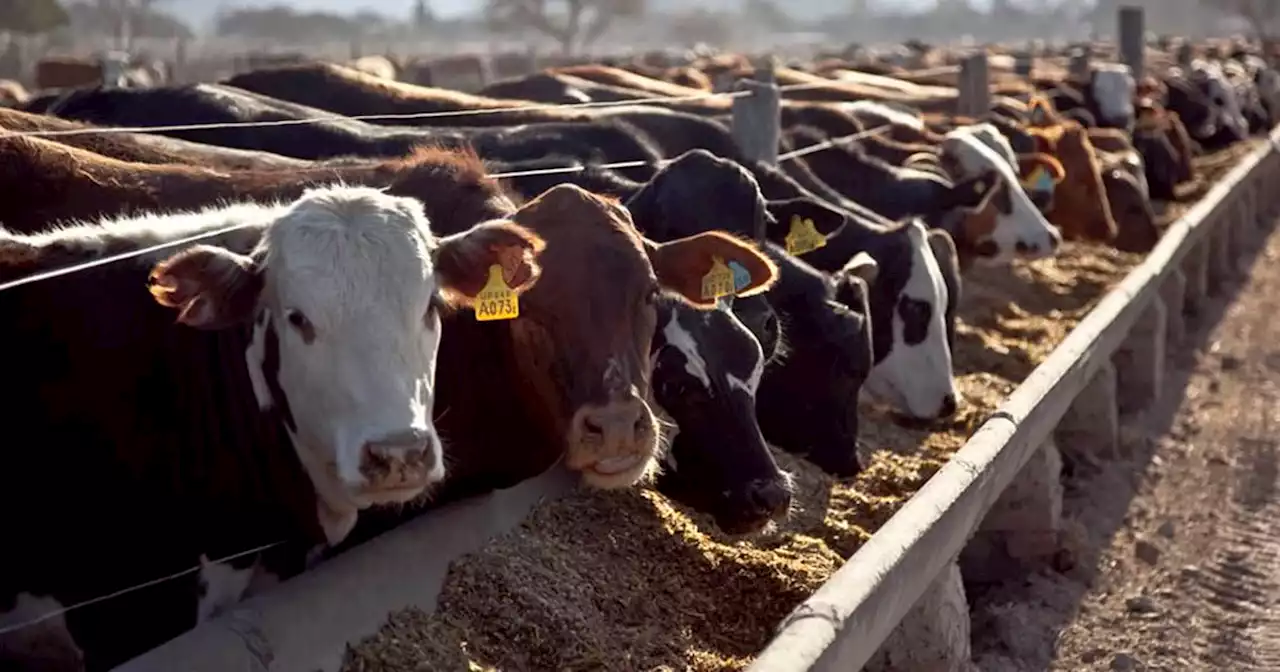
(1113,88)
(911,322)
(587,333)
(1011,225)
(706,372)
(344,292)
(808,397)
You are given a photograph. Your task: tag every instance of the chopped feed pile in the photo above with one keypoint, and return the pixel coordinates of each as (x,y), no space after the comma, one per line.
(630,581)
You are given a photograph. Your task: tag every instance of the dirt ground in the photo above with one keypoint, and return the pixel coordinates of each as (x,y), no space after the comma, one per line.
(1173,558)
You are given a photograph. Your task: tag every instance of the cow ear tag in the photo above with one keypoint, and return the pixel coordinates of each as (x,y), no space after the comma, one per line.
(1038,180)
(1042,180)
(718,281)
(496,301)
(741,277)
(803,236)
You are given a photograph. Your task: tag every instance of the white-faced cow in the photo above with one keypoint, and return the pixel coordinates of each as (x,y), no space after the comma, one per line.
(304,346)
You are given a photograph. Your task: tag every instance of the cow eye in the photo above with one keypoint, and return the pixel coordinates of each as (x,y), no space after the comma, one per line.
(651,298)
(298,321)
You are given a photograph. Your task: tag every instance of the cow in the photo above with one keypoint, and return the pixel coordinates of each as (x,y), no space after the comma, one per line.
(891,191)
(1080,209)
(297,380)
(329,138)
(915,279)
(816,383)
(140,147)
(1016,226)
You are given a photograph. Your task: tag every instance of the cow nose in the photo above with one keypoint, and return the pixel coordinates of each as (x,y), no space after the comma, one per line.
(769,496)
(948,406)
(619,421)
(401,456)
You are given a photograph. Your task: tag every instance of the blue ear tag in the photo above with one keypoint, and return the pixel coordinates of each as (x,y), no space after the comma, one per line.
(1044,182)
(741,278)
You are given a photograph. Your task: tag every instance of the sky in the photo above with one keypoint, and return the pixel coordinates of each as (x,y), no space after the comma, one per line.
(199,11)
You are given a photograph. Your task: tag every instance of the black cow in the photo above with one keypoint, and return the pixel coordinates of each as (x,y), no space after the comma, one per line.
(890,191)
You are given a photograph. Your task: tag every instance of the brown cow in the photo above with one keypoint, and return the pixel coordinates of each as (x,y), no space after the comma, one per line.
(143,147)
(1080,206)
(627,80)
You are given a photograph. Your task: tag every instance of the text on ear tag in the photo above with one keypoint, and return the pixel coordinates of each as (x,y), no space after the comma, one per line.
(496,301)
(718,281)
(803,236)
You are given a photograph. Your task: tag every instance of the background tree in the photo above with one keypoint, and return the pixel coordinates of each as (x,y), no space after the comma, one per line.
(575,24)
(1260,14)
(422,15)
(32,17)
(283,23)
(142,18)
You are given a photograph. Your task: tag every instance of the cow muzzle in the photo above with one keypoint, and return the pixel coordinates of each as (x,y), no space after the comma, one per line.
(613,444)
(400,466)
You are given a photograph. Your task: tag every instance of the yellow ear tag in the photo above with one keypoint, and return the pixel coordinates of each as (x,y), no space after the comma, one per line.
(718,281)
(496,301)
(803,236)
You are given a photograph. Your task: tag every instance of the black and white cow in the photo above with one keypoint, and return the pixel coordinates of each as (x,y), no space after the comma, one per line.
(912,294)
(294,389)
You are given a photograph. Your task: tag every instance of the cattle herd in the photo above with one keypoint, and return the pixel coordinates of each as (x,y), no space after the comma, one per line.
(254,322)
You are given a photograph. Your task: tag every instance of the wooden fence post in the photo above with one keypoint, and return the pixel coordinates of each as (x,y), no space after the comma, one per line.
(1024,62)
(1195,267)
(1132,31)
(757,118)
(1139,360)
(974,93)
(1081,63)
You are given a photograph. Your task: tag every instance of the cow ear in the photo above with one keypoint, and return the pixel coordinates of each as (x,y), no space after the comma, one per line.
(690,266)
(212,287)
(1040,112)
(862,265)
(463,260)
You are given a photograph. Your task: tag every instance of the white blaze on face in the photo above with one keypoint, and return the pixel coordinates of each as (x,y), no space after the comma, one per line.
(916,377)
(750,384)
(1023,230)
(350,335)
(1113,91)
(679,338)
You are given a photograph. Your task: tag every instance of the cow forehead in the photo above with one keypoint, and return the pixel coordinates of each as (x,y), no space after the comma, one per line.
(975,155)
(350,248)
